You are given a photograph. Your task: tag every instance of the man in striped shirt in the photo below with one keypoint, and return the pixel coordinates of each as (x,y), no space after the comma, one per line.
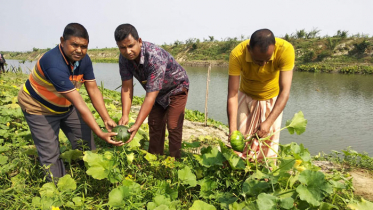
(50,100)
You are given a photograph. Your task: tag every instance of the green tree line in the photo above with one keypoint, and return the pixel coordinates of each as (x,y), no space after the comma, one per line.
(337,51)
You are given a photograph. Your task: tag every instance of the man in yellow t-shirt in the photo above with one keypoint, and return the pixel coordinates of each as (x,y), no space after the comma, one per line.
(260,75)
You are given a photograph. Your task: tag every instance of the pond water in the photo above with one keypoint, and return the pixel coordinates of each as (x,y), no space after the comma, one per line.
(339,108)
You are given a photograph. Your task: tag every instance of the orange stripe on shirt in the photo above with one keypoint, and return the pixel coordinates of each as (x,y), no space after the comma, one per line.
(39,68)
(47,95)
(78,78)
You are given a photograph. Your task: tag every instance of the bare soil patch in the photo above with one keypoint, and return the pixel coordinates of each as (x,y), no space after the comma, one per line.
(199,129)
(362,179)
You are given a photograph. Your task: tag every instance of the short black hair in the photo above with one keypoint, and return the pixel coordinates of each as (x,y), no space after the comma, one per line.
(75,29)
(262,38)
(124,30)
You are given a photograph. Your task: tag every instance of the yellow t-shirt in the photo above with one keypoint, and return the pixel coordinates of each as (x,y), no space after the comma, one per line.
(261,82)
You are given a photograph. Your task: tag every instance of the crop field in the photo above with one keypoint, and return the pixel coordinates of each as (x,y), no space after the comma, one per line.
(129,177)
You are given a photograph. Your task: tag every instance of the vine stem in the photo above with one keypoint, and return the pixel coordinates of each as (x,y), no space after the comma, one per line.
(71,170)
(265,160)
(286,192)
(270,148)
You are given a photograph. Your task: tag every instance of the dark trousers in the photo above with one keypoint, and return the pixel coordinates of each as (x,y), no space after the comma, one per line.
(45,129)
(2,68)
(173,117)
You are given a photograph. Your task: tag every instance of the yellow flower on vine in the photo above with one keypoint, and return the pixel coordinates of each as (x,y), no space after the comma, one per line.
(129,177)
(297,163)
(7,124)
(55,208)
(298,167)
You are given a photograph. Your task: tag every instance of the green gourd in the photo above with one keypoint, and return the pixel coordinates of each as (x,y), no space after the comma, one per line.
(123,134)
(237,141)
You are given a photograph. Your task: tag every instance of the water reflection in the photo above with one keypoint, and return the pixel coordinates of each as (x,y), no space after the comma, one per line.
(339,108)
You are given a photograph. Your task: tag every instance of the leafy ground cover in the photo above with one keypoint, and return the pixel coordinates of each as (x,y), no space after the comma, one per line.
(129,177)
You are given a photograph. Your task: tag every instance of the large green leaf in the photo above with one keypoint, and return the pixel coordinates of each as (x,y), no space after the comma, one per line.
(207,188)
(108,155)
(162,187)
(287,203)
(98,172)
(130,157)
(70,155)
(78,201)
(303,154)
(233,159)
(313,187)
(162,207)
(226,199)
(135,143)
(200,205)
(4,148)
(286,163)
(239,206)
(337,184)
(297,124)
(187,177)
(98,167)
(30,150)
(266,202)
(46,203)
(162,202)
(212,158)
(129,191)
(36,201)
(115,176)
(117,195)
(66,184)
(48,190)
(187,145)
(3,159)
(298,151)
(150,157)
(252,187)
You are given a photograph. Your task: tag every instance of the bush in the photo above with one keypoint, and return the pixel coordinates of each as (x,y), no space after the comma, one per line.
(308,56)
(324,54)
(359,48)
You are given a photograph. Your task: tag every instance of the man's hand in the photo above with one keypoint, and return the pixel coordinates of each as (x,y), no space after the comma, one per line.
(123,120)
(133,130)
(109,124)
(264,129)
(107,137)
(143,113)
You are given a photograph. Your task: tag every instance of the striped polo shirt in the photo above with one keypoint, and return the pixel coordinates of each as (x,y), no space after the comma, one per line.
(53,75)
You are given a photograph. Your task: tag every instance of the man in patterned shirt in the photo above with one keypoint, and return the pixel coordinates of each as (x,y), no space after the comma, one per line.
(166,84)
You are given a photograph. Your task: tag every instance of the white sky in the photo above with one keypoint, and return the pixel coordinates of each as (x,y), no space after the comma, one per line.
(39,23)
